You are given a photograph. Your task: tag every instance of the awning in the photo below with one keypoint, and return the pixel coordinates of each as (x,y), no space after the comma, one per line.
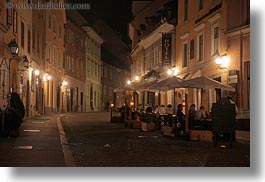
(204,83)
(122,89)
(169,83)
(151,85)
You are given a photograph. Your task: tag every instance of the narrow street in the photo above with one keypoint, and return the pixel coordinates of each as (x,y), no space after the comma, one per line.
(95,142)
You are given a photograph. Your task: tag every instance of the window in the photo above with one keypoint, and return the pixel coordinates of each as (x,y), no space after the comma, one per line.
(247,78)
(185,10)
(29,41)
(49,54)
(9,16)
(216,40)
(192,49)
(200,47)
(22,34)
(185,55)
(38,43)
(50,21)
(200,4)
(33,38)
(60,32)
(15,22)
(68,35)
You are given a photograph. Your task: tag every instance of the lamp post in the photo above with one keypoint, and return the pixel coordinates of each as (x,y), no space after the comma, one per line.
(173,72)
(111,108)
(63,84)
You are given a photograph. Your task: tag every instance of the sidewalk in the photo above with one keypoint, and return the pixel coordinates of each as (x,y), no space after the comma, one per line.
(39,145)
(243,136)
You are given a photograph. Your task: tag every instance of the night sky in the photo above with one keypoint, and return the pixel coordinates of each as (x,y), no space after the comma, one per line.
(116,13)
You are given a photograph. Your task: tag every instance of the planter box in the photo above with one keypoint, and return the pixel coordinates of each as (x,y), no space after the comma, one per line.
(147,126)
(167,131)
(116,119)
(201,135)
(134,124)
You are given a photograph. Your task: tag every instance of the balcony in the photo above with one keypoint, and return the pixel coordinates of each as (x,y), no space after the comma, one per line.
(167,14)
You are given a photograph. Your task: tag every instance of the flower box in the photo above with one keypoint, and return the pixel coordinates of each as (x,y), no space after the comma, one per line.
(167,131)
(134,124)
(147,126)
(201,135)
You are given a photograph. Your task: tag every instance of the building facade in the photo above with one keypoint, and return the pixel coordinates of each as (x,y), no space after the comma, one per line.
(152,22)
(115,65)
(75,65)
(210,38)
(54,59)
(93,87)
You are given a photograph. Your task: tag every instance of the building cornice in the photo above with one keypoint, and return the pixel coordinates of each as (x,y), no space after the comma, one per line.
(238,31)
(90,31)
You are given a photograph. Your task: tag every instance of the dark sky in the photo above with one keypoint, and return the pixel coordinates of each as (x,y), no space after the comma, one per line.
(117,13)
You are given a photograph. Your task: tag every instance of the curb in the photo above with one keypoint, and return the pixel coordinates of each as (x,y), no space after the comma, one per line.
(68,156)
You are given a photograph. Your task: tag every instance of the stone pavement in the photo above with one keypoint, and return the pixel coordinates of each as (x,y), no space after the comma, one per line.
(39,145)
(42,143)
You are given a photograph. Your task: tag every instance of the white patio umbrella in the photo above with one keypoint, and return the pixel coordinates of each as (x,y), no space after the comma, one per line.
(205,83)
(170,83)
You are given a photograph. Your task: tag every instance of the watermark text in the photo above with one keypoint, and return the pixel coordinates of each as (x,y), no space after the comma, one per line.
(48,5)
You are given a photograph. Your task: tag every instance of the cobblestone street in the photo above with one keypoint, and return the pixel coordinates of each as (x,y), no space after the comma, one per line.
(95,142)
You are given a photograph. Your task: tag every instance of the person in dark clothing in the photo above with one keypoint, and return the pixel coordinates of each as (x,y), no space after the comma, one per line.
(181,117)
(191,116)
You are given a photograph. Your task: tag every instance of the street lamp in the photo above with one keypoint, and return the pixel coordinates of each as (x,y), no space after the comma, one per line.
(173,72)
(63,85)
(111,108)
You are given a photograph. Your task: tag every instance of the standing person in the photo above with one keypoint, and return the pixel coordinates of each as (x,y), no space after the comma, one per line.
(232,102)
(191,116)
(181,117)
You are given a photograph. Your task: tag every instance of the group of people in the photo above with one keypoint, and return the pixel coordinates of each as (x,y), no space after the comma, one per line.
(198,118)
(195,118)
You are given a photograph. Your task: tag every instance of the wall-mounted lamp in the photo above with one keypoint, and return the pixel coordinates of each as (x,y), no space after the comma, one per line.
(13,46)
(64,83)
(128,82)
(137,78)
(25,62)
(37,72)
(47,77)
(222,61)
(173,71)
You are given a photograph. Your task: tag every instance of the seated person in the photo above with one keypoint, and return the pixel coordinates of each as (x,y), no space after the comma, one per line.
(148,110)
(199,116)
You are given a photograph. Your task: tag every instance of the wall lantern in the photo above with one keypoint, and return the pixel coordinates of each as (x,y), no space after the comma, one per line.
(13,46)
(173,71)
(37,72)
(222,62)
(25,62)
